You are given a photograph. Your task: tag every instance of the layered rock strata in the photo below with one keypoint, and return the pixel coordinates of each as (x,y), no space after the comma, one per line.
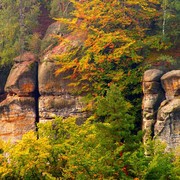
(33,93)
(161,116)
(18,109)
(57,97)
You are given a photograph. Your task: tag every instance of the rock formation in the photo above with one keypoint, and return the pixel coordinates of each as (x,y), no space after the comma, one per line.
(18,109)
(153,96)
(57,98)
(161,106)
(33,93)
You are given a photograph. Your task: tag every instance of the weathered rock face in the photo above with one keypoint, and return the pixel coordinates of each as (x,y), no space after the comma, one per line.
(153,96)
(18,108)
(167,127)
(20,104)
(57,98)
(49,83)
(64,106)
(161,113)
(171,84)
(22,78)
(17,116)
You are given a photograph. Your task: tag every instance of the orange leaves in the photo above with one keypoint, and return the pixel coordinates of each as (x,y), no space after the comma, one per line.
(112,30)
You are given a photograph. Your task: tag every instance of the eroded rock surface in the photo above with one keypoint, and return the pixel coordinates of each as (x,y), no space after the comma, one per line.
(167,127)
(161,114)
(18,111)
(171,84)
(57,98)
(35,93)
(153,96)
(22,77)
(17,116)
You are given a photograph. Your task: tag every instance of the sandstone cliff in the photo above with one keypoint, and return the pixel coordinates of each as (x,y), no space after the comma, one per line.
(30,92)
(161,106)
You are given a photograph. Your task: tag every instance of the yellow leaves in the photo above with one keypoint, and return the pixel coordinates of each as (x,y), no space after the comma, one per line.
(113,31)
(117,76)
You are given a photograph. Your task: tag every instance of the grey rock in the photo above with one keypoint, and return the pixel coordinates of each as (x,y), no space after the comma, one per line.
(64,106)
(167,127)
(152,101)
(152,75)
(152,87)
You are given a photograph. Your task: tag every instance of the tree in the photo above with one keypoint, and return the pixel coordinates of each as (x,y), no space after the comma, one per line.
(60,8)
(16,19)
(65,150)
(117,37)
(171,18)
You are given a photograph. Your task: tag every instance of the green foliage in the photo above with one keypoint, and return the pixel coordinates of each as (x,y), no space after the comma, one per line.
(60,8)
(160,164)
(34,43)
(115,36)
(67,151)
(93,150)
(107,145)
(172,18)
(25,160)
(12,32)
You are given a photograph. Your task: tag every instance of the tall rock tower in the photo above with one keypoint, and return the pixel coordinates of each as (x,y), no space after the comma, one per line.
(161,106)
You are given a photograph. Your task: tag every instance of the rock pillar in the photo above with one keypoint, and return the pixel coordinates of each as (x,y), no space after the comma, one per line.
(161,106)
(167,127)
(18,110)
(153,96)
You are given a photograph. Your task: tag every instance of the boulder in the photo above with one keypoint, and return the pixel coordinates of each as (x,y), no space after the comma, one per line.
(22,79)
(171,83)
(17,116)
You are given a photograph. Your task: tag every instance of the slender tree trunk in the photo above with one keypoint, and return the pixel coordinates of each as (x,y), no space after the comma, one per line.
(164,17)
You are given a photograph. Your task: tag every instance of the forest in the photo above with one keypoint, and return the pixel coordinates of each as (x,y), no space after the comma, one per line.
(118,41)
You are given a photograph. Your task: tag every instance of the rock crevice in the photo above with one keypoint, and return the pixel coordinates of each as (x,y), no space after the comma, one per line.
(33,93)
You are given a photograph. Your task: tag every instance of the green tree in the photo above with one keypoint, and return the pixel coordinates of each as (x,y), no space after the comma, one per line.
(116,38)
(27,159)
(60,8)
(170,20)
(16,19)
